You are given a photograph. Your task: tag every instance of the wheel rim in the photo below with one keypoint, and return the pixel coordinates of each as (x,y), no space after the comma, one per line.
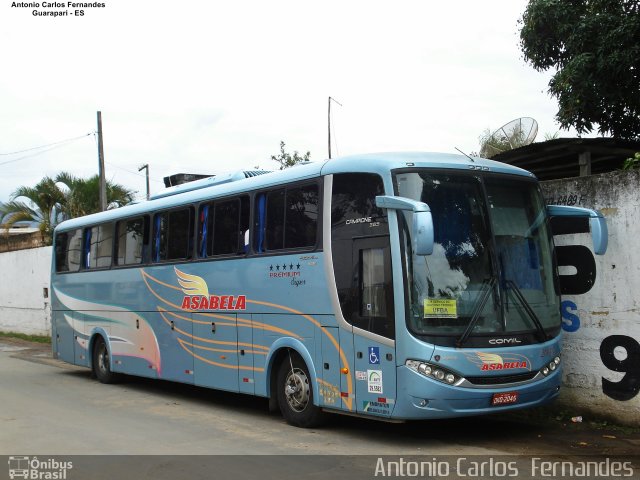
(296,390)
(103,358)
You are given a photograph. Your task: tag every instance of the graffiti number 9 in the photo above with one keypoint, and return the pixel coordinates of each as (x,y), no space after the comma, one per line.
(629,386)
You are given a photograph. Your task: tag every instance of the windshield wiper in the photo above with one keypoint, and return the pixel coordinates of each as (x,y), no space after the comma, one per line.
(475,316)
(528,309)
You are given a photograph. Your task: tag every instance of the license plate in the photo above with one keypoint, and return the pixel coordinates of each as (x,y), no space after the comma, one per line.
(505,398)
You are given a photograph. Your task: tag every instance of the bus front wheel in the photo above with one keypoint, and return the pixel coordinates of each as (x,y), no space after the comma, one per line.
(295,394)
(101,363)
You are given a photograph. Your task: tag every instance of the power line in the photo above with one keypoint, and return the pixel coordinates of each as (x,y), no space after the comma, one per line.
(48,145)
(31,155)
(134,173)
(47,148)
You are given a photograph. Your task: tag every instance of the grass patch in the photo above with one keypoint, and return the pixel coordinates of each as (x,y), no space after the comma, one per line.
(28,338)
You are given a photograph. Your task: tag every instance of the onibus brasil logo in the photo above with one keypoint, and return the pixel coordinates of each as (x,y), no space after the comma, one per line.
(36,469)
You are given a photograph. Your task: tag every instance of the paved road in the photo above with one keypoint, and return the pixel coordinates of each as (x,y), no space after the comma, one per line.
(52,408)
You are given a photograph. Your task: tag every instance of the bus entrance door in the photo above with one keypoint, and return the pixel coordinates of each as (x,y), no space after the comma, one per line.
(375,374)
(374,328)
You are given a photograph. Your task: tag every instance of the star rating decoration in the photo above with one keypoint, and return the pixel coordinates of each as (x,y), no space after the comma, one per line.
(284,267)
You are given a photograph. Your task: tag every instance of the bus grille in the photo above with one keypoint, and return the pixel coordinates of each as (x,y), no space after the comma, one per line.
(502,379)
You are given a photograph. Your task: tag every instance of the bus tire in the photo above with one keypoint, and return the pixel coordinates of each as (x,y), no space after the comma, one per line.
(295,394)
(101,365)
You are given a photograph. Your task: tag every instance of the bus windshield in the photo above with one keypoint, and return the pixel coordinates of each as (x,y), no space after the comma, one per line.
(491,271)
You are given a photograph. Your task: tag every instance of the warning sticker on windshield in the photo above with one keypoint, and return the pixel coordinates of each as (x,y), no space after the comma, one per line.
(440,307)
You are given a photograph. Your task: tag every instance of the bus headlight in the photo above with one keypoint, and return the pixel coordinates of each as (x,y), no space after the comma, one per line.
(553,364)
(435,372)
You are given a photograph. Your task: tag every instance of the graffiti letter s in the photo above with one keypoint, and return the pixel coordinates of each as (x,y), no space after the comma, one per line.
(629,386)
(570,321)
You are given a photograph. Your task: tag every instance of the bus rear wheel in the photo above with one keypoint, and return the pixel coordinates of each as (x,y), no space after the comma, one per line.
(101,363)
(295,394)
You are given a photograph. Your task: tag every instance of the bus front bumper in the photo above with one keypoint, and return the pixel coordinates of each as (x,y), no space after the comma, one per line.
(422,397)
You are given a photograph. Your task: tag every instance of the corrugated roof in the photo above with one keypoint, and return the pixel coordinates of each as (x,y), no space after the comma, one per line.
(559,158)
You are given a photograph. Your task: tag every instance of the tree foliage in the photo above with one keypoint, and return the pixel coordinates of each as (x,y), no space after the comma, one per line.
(287,160)
(47,204)
(632,163)
(42,205)
(83,195)
(594,47)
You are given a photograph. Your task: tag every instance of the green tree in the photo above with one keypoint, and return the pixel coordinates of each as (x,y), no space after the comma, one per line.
(82,196)
(47,204)
(593,46)
(287,160)
(44,207)
(632,163)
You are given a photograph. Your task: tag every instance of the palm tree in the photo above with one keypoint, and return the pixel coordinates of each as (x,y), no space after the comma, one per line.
(83,195)
(44,207)
(48,204)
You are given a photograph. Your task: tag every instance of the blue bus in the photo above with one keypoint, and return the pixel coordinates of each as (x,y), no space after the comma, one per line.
(393,286)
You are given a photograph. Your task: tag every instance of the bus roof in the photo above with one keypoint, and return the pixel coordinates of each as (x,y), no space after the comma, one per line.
(380,163)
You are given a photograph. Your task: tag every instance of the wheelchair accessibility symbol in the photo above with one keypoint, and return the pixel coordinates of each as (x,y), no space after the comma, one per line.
(374,355)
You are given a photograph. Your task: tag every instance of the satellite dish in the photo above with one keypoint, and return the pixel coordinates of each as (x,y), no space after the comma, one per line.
(516,133)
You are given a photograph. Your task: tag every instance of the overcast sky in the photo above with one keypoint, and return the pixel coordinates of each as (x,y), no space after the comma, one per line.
(211,86)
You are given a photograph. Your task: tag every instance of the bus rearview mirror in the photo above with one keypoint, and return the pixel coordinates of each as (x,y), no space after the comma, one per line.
(422,228)
(597,223)
(423,233)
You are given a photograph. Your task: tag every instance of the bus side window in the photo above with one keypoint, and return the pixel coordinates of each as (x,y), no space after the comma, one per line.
(274,225)
(287,218)
(98,246)
(62,252)
(223,227)
(68,251)
(75,251)
(226,228)
(301,212)
(132,239)
(173,235)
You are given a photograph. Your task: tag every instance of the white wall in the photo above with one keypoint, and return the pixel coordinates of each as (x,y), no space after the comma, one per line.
(602,326)
(24,274)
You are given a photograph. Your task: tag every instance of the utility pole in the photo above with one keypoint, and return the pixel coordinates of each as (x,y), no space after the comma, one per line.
(103,183)
(146,167)
(329,122)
